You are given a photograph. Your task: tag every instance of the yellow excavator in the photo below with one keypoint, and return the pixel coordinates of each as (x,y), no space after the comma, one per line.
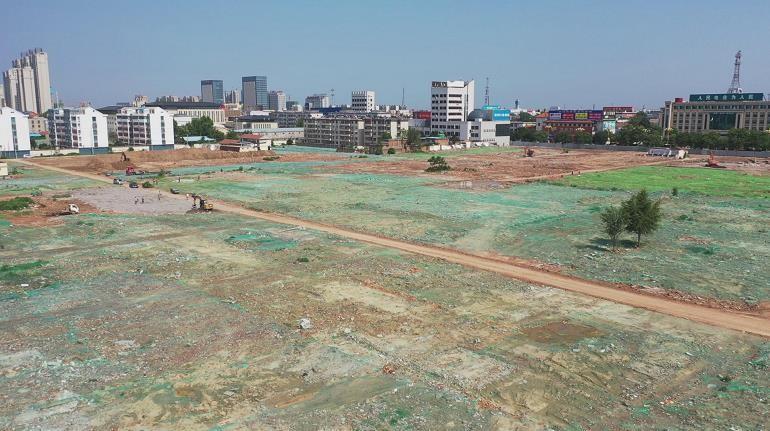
(200,203)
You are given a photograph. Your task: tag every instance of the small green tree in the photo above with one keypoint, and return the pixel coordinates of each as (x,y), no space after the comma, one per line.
(437,164)
(614,221)
(232,135)
(642,215)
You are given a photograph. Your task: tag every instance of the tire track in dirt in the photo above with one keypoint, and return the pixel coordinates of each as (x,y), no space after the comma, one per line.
(739,321)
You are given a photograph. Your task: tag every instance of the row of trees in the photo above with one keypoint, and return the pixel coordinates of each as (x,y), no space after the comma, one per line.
(736,139)
(203,126)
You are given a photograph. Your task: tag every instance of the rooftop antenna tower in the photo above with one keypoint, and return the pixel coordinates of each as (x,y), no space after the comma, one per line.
(403,92)
(735,87)
(332,96)
(486,93)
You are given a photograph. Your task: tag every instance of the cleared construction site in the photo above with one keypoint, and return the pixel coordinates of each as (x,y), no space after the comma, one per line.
(322,290)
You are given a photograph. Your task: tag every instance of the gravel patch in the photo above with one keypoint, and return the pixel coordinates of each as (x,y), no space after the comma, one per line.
(134,201)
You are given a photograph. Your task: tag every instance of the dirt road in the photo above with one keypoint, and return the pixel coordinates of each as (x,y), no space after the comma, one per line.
(738,321)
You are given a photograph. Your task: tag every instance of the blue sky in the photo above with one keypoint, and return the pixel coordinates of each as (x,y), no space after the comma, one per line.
(569,53)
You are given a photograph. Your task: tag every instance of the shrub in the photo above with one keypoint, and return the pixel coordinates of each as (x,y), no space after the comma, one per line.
(437,164)
(147,185)
(391,151)
(675,192)
(16,204)
(271,158)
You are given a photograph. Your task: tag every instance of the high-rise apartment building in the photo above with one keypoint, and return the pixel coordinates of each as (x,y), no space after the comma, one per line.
(233,96)
(450,104)
(145,126)
(14,133)
(77,128)
(139,100)
(363,101)
(254,93)
(277,100)
(27,84)
(213,91)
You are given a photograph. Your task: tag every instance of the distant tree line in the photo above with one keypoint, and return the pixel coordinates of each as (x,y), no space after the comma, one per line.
(639,131)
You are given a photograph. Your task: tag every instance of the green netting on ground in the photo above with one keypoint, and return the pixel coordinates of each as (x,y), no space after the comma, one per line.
(708,181)
(32,179)
(711,246)
(303,149)
(166,322)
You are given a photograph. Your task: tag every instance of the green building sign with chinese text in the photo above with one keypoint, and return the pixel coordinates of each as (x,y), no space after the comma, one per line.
(736,97)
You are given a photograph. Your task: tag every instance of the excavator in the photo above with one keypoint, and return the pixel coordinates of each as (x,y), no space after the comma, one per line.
(712,162)
(200,203)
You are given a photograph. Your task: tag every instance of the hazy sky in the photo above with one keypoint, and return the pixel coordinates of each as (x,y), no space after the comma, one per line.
(568,53)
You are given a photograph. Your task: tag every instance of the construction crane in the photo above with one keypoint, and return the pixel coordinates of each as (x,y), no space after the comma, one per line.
(486,93)
(735,87)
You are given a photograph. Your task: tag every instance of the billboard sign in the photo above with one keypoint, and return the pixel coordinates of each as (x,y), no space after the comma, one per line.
(724,97)
(577,115)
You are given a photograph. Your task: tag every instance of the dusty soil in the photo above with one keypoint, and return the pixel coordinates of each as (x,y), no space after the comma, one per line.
(509,167)
(47,210)
(132,201)
(751,165)
(153,160)
(752,323)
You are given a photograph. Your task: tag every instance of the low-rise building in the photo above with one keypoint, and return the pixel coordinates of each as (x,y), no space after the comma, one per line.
(214,111)
(716,113)
(38,124)
(146,126)
(489,125)
(378,129)
(571,121)
(352,133)
(81,128)
(14,133)
(293,118)
(334,132)
(252,123)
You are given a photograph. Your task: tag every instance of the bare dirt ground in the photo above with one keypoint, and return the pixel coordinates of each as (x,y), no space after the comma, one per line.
(751,165)
(508,167)
(154,161)
(741,321)
(47,210)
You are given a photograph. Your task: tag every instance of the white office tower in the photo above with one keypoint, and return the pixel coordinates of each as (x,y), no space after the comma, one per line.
(27,84)
(83,127)
(363,101)
(14,132)
(450,104)
(144,126)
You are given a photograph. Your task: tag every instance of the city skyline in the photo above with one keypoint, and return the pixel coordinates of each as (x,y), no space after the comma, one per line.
(570,55)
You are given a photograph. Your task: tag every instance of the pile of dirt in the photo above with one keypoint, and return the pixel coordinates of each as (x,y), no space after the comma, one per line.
(46,210)
(153,160)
